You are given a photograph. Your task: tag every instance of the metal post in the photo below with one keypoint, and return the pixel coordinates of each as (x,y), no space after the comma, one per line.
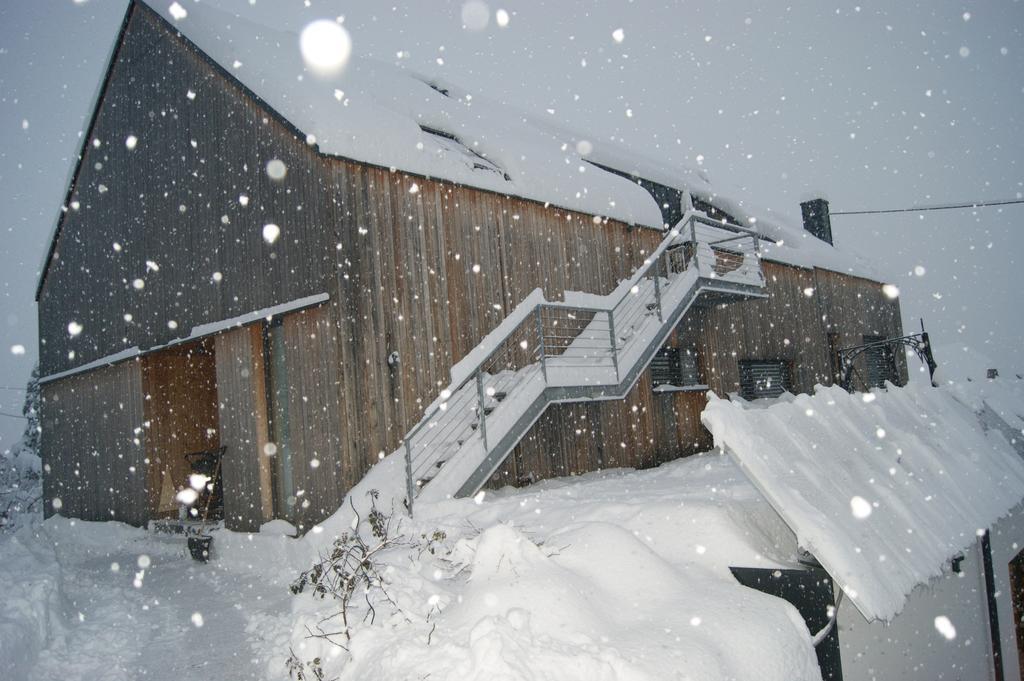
(615,349)
(657,287)
(410,486)
(540,344)
(480,407)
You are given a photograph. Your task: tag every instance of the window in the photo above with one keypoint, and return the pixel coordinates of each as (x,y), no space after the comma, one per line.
(880,362)
(761,378)
(675,367)
(450,145)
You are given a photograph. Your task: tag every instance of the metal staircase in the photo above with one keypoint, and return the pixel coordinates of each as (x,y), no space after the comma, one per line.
(551,352)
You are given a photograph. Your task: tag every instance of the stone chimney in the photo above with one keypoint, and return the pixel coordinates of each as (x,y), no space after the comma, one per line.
(816,219)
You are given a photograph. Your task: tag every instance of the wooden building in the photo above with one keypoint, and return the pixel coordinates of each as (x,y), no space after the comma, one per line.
(197,297)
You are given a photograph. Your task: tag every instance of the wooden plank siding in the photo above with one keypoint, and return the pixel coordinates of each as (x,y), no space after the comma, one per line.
(321,472)
(792,324)
(241,393)
(854,307)
(646,428)
(643,430)
(92,446)
(173,203)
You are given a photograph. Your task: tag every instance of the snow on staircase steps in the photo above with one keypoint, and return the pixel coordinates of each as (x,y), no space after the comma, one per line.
(587,348)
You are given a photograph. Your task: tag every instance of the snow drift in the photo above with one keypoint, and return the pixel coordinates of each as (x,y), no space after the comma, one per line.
(883,488)
(32,613)
(610,576)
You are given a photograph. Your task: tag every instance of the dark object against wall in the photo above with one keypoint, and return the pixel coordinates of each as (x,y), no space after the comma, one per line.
(810,591)
(816,219)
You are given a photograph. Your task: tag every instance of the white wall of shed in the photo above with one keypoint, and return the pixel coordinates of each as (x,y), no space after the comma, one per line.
(910,647)
(1007,539)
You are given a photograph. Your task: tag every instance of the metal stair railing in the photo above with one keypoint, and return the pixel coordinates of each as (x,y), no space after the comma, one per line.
(578,351)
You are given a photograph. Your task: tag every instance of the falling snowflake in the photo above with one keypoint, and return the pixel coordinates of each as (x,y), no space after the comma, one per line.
(860,507)
(945,627)
(326,47)
(276,169)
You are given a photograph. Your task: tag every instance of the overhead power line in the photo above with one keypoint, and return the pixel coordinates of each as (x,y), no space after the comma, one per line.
(11,416)
(922,209)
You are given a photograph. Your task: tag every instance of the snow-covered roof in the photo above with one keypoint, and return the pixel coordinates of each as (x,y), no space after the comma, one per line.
(883,488)
(197,332)
(382,114)
(376,113)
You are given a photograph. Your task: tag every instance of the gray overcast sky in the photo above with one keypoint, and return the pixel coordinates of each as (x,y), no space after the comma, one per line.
(873,105)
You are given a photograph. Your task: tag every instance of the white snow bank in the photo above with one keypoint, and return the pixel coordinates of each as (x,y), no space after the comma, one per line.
(35,568)
(607,576)
(103,600)
(883,488)
(32,609)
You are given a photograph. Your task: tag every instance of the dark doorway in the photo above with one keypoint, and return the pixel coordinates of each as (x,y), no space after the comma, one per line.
(810,591)
(1017,592)
(181,416)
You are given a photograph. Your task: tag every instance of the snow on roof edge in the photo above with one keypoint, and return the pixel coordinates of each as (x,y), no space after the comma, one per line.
(197,332)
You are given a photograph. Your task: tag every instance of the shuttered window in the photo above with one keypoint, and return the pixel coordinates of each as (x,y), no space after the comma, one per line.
(674,366)
(881,363)
(763,378)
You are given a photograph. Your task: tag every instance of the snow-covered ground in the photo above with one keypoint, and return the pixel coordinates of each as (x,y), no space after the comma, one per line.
(613,575)
(107,601)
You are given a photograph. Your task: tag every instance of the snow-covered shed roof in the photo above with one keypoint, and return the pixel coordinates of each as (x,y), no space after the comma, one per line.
(884,488)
